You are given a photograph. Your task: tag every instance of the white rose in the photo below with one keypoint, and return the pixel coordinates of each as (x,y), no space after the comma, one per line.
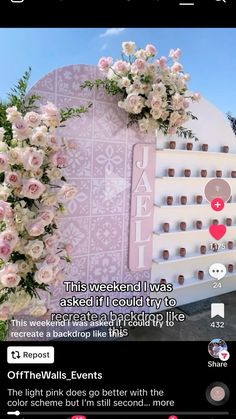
(124,82)
(39,138)
(13,115)
(68,192)
(24,267)
(5,192)
(19,301)
(44,275)
(2,132)
(49,200)
(128,48)
(35,249)
(32,119)
(141,53)
(54,174)
(38,309)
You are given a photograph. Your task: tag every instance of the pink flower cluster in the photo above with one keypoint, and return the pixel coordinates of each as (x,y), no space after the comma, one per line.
(153,89)
(32,195)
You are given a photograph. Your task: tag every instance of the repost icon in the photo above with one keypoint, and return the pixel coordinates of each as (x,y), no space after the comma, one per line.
(218,309)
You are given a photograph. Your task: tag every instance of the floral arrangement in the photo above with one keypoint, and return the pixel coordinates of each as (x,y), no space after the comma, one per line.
(152,91)
(33,191)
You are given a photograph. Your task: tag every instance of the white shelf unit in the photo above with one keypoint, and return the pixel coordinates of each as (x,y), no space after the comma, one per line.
(192,239)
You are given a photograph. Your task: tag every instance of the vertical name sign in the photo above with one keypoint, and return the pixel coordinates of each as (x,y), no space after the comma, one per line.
(142,207)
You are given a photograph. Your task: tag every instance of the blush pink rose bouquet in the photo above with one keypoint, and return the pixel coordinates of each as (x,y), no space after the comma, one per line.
(33,191)
(152,90)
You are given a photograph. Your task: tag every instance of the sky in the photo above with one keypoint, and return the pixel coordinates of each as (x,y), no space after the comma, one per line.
(207,54)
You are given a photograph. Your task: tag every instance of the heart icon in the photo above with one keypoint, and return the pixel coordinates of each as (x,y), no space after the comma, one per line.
(217,231)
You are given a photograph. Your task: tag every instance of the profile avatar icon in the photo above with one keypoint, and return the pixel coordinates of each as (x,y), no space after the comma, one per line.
(216,346)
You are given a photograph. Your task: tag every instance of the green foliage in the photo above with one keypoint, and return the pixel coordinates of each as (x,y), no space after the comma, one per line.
(109,85)
(232,121)
(3,330)
(2,177)
(30,286)
(2,227)
(68,113)
(50,229)
(5,293)
(16,256)
(186,134)
(17,97)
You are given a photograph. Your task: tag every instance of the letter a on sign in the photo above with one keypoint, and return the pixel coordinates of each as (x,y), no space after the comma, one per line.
(142,206)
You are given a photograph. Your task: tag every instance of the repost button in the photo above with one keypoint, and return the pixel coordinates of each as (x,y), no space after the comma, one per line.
(30,354)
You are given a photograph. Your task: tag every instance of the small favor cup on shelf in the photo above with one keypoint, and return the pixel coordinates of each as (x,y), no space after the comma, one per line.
(181,279)
(200,275)
(183,200)
(169,200)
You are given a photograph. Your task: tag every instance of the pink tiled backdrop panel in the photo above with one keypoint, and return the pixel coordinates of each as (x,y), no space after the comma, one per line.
(97,221)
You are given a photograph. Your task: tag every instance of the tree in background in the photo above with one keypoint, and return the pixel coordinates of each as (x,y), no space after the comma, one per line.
(232,120)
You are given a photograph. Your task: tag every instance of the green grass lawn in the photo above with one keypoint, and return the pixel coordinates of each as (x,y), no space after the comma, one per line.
(3,330)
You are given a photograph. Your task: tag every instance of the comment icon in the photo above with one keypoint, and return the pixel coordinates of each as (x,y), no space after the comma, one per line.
(217,271)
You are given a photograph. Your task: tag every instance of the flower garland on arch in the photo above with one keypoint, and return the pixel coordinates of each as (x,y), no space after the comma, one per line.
(152,91)
(33,191)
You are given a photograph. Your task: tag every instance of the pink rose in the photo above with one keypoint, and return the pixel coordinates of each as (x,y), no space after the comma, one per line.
(175,54)
(21,130)
(134,103)
(54,142)
(5,313)
(196,96)
(10,280)
(44,275)
(50,115)
(72,145)
(5,250)
(10,268)
(50,242)
(150,50)
(139,66)
(33,160)
(186,103)
(59,275)
(163,63)
(12,178)
(39,138)
(3,162)
(2,210)
(104,63)
(36,229)
(32,119)
(121,67)
(176,67)
(10,237)
(50,109)
(59,159)
(69,248)
(186,77)
(52,260)
(5,210)
(46,216)
(33,189)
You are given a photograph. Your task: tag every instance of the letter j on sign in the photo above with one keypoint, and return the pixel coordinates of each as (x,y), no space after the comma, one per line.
(142,201)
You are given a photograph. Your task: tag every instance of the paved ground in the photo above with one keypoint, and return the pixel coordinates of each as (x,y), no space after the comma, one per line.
(197,326)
